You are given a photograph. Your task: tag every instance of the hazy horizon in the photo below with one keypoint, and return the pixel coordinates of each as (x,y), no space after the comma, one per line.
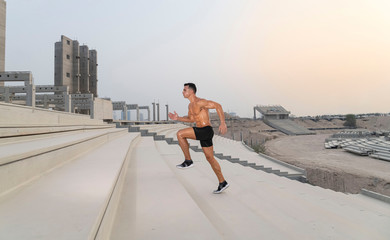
(311,57)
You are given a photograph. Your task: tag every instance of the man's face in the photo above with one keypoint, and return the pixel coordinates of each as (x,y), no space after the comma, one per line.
(187,92)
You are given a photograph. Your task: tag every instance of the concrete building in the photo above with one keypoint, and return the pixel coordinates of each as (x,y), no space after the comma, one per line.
(2,36)
(66,64)
(75,66)
(93,72)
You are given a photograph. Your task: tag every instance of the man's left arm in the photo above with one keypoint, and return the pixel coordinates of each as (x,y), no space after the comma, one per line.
(214,105)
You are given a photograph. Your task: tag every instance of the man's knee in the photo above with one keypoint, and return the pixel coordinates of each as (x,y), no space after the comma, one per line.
(209,157)
(179,134)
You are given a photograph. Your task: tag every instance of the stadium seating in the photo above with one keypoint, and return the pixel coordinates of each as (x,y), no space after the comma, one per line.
(360,142)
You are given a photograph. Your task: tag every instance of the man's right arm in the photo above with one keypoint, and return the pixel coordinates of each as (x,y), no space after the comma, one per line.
(176,117)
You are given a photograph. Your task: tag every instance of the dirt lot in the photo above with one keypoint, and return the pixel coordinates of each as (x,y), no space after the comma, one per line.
(331,168)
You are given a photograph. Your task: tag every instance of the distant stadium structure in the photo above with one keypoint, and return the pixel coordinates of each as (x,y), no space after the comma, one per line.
(277,117)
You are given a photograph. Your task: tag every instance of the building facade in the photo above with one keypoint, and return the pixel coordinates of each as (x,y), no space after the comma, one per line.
(84,69)
(93,72)
(66,64)
(75,66)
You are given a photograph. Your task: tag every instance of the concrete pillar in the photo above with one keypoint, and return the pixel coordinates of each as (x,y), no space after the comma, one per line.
(45,101)
(137,113)
(67,102)
(158,111)
(166,105)
(148,114)
(254,113)
(154,111)
(92,109)
(124,113)
(30,95)
(6,94)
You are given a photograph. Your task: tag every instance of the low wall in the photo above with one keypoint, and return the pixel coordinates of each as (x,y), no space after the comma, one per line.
(17,115)
(102,109)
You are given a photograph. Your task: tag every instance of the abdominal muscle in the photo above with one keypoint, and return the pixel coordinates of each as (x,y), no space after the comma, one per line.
(202,119)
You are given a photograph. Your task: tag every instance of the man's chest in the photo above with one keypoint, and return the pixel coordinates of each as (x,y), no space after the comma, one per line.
(196,109)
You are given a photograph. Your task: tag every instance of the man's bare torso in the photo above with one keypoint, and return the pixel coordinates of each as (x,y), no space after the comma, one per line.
(199,113)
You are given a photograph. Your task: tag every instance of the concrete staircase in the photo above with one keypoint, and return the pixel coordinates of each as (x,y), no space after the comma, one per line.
(161,201)
(106,183)
(61,184)
(226,149)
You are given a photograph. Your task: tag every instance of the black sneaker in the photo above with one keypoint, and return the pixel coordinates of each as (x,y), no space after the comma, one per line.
(222,186)
(186,164)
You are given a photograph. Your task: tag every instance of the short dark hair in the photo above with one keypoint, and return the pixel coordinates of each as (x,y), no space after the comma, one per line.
(191,85)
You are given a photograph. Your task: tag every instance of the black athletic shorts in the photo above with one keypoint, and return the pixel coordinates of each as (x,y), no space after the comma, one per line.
(205,135)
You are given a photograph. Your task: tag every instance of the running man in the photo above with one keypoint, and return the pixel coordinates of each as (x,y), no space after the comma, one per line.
(198,112)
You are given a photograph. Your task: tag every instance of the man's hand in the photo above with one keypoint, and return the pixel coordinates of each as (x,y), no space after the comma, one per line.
(222,128)
(173,116)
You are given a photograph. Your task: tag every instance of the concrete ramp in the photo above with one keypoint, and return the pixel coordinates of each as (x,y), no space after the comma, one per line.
(288,126)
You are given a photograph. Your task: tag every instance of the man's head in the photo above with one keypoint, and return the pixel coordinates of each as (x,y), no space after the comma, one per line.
(189,89)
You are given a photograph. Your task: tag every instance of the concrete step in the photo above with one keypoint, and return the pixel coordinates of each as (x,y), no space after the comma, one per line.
(300,209)
(154,205)
(23,161)
(70,202)
(246,158)
(18,132)
(241,152)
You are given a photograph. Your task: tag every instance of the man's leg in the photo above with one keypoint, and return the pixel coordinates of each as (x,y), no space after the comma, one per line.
(182,136)
(209,153)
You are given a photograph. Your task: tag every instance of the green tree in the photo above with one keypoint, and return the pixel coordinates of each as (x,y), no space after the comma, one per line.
(350,120)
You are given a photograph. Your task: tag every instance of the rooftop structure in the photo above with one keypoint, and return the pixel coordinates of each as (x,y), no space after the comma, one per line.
(278,117)
(271,112)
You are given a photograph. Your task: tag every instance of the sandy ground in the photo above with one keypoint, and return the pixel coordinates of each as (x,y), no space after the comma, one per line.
(332,168)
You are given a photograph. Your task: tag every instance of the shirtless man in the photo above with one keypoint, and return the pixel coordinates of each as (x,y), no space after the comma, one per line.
(198,112)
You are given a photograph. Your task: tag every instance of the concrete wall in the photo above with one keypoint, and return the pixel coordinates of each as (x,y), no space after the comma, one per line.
(16,115)
(103,109)
(93,72)
(2,36)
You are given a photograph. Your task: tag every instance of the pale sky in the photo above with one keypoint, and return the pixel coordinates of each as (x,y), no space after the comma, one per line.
(310,56)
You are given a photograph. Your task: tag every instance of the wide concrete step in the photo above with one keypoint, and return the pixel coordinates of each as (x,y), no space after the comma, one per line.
(286,207)
(230,148)
(232,218)
(22,161)
(17,131)
(154,204)
(70,202)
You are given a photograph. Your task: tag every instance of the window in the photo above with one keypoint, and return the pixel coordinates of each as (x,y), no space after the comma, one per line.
(68,42)
(67,74)
(67,56)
